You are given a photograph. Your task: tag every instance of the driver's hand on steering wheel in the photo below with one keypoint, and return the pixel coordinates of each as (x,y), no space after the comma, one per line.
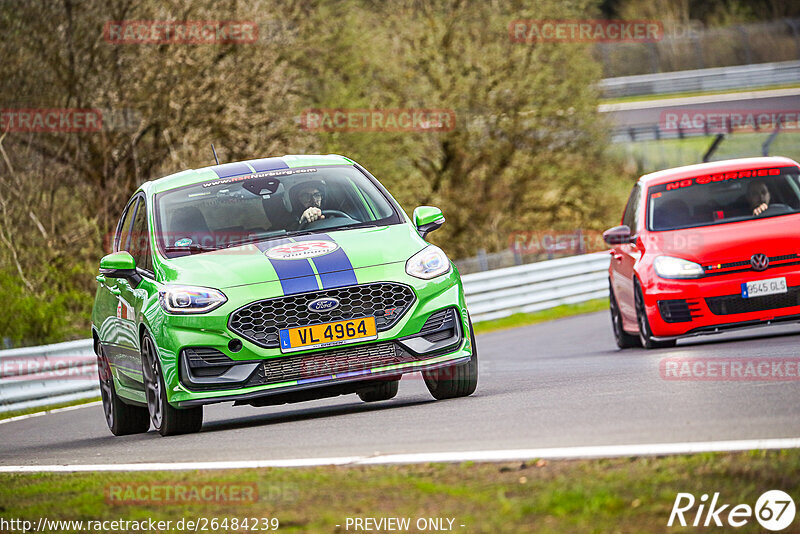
(311,215)
(760,209)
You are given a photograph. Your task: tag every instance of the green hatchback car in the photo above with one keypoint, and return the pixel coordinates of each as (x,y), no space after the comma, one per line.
(272,281)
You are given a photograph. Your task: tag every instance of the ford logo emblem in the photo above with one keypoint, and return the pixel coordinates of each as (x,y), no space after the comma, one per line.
(323,305)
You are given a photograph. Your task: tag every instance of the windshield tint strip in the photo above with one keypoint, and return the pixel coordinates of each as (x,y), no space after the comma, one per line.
(231,169)
(268,164)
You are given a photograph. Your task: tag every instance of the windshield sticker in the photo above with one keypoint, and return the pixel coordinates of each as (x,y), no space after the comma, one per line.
(267,174)
(185,242)
(302,250)
(721,177)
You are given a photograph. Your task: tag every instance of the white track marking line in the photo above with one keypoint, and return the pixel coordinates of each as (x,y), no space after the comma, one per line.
(47,412)
(694,100)
(564,453)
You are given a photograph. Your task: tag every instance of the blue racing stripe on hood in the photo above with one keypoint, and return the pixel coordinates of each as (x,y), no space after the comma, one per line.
(296,276)
(334,269)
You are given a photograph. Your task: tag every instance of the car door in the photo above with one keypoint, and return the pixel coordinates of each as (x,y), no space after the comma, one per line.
(131,297)
(623,261)
(110,333)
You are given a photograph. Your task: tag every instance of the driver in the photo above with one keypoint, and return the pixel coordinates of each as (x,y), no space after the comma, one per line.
(758,196)
(309,196)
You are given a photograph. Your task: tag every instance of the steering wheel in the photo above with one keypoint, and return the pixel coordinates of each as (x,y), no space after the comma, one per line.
(329,214)
(776,209)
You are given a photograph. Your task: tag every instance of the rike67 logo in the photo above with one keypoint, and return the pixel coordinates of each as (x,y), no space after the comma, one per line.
(774,510)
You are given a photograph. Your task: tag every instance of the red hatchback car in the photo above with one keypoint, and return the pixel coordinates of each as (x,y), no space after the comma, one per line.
(705,248)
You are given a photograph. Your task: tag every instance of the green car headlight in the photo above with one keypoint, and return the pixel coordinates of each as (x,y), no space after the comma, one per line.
(428,263)
(670,267)
(190,299)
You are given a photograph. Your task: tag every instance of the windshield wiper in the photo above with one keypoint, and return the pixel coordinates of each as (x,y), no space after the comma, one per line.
(192,248)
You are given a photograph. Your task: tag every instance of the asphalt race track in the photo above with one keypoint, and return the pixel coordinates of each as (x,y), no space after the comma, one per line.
(556,384)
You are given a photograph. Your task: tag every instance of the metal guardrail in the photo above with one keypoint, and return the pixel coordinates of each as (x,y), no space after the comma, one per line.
(716,79)
(537,286)
(33,377)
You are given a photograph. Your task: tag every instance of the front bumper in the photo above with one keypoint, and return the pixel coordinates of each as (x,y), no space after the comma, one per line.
(253,369)
(679,308)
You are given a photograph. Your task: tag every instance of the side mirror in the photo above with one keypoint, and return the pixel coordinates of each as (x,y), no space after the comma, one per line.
(619,235)
(120,265)
(427,219)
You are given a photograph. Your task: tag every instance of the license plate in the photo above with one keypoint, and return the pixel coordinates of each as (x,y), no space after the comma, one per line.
(759,288)
(328,334)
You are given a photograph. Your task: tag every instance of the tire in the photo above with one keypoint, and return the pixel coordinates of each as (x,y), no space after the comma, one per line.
(122,419)
(624,340)
(168,420)
(645,334)
(455,380)
(384,391)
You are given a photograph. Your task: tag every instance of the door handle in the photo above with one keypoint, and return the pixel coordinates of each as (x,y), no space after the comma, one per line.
(115,291)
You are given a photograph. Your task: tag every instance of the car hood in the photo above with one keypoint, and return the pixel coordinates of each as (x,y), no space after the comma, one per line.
(708,245)
(330,253)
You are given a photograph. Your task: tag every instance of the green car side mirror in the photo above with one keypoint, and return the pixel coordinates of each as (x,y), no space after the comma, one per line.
(120,265)
(427,219)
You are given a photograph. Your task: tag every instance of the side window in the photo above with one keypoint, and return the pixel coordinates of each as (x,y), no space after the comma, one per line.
(631,217)
(140,239)
(124,229)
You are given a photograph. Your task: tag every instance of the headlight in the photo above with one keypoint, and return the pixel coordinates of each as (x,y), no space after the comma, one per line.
(189,299)
(428,263)
(669,267)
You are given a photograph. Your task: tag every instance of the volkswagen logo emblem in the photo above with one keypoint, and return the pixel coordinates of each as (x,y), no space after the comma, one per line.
(323,304)
(759,262)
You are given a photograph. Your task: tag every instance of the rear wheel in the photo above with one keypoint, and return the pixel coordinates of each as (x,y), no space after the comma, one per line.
(645,334)
(624,340)
(455,380)
(384,391)
(167,419)
(122,419)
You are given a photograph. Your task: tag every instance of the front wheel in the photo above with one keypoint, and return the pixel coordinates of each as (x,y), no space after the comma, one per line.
(455,380)
(122,419)
(645,334)
(167,419)
(624,340)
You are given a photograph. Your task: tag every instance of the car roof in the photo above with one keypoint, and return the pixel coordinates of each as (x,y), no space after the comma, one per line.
(677,173)
(239,168)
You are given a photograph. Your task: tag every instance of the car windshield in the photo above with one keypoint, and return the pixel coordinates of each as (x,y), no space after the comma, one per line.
(241,209)
(724,197)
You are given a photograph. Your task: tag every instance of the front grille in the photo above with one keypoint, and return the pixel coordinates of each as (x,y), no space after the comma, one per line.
(260,322)
(679,310)
(730,304)
(773,262)
(326,363)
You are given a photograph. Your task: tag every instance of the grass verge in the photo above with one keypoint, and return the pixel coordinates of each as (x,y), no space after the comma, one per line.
(609,495)
(17,413)
(522,319)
